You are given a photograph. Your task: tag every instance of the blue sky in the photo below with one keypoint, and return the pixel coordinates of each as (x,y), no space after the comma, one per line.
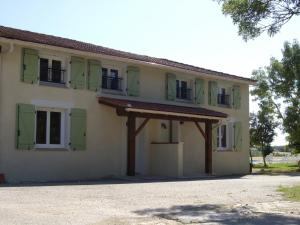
(191,31)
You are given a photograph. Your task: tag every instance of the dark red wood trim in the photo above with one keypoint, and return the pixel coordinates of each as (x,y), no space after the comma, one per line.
(131,145)
(141,126)
(123,112)
(208,147)
(170,131)
(200,129)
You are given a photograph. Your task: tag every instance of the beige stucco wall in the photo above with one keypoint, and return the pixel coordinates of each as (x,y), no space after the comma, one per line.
(166,159)
(106,132)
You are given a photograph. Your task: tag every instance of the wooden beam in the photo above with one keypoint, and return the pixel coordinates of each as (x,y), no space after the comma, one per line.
(122,112)
(170,131)
(208,147)
(141,126)
(131,145)
(200,129)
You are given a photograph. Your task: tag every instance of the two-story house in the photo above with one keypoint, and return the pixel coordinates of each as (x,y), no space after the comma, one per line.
(76,111)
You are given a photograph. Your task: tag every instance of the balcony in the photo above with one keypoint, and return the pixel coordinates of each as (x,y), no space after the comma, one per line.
(112,83)
(51,75)
(184,94)
(223,99)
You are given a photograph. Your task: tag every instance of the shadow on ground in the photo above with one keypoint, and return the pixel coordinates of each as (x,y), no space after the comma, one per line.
(219,214)
(120,180)
(139,179)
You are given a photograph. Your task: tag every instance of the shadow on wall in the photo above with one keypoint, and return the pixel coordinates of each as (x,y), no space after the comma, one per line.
(219,214)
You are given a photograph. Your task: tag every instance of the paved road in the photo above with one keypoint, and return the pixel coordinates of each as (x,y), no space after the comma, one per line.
(247,200)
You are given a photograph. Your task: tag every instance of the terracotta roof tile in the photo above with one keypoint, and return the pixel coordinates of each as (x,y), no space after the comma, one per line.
(12,33)
(124,103)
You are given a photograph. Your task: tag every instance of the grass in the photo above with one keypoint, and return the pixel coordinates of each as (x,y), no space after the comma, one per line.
(277,168)
(290,193)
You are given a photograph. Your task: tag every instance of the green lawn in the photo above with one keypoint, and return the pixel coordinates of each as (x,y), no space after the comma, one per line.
(277,168)
(291,193)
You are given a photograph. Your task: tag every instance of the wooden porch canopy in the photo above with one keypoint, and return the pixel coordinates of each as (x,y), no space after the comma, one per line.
(149,110)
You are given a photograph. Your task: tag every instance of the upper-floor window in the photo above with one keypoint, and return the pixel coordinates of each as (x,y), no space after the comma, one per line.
(51,70)
(182,90)
(111,79)
(223,97)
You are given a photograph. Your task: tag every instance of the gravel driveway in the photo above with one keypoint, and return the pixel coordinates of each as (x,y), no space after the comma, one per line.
(250,199)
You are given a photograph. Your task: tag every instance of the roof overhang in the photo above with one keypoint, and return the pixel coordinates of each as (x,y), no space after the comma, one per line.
(124,107)
(26,38)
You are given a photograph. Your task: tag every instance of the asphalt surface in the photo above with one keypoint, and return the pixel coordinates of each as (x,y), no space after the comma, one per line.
(251,199)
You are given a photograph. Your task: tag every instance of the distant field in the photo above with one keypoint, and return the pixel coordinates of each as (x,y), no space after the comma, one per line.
(277,167)
(277,159)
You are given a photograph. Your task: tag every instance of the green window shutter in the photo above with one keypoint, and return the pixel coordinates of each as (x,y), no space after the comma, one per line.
(213,93)
(94,75)
(25,124)
(133,81)
(236,97)
(77,73)
(229,92)
(237,131)
(199,91)
(78,129)
(171,86)
(29,70)
(214,137)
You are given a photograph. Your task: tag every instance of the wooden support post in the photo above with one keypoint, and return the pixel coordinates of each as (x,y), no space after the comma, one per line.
(170,131)
(208,147)
(131,145)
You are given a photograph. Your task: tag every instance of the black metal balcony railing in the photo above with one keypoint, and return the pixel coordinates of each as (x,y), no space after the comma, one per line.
(223,99)
(184,93)
(53,75)
(112,83)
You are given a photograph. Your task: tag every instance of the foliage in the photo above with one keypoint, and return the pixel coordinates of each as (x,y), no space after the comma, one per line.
(254,17)
(291,193)
(262,129)
(277,167)
(280,82)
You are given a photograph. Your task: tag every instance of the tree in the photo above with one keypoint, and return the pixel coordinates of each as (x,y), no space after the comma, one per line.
(254,17)
(262,129)
(280,83)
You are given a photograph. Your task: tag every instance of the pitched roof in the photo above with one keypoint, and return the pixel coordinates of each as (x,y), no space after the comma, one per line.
(28,36)
(125,103)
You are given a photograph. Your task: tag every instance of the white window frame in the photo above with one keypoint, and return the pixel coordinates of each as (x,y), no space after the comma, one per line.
(220,137)
(50,59)
(62,128)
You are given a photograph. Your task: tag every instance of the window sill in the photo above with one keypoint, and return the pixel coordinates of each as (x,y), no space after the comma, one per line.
(50,84)
(52,149)
(183,100)
(223,106)
(225,150)
(111,91)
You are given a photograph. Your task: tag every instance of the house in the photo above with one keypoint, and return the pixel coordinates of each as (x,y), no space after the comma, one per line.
(77,111)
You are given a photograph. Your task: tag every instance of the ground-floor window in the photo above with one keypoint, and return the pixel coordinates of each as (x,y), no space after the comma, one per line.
(222,137)
(50,128)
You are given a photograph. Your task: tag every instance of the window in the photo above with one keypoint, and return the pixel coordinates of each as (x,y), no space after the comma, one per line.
(51,71)
(50,128)
(111,79)
(222,137)
(182,90)
(223,97)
